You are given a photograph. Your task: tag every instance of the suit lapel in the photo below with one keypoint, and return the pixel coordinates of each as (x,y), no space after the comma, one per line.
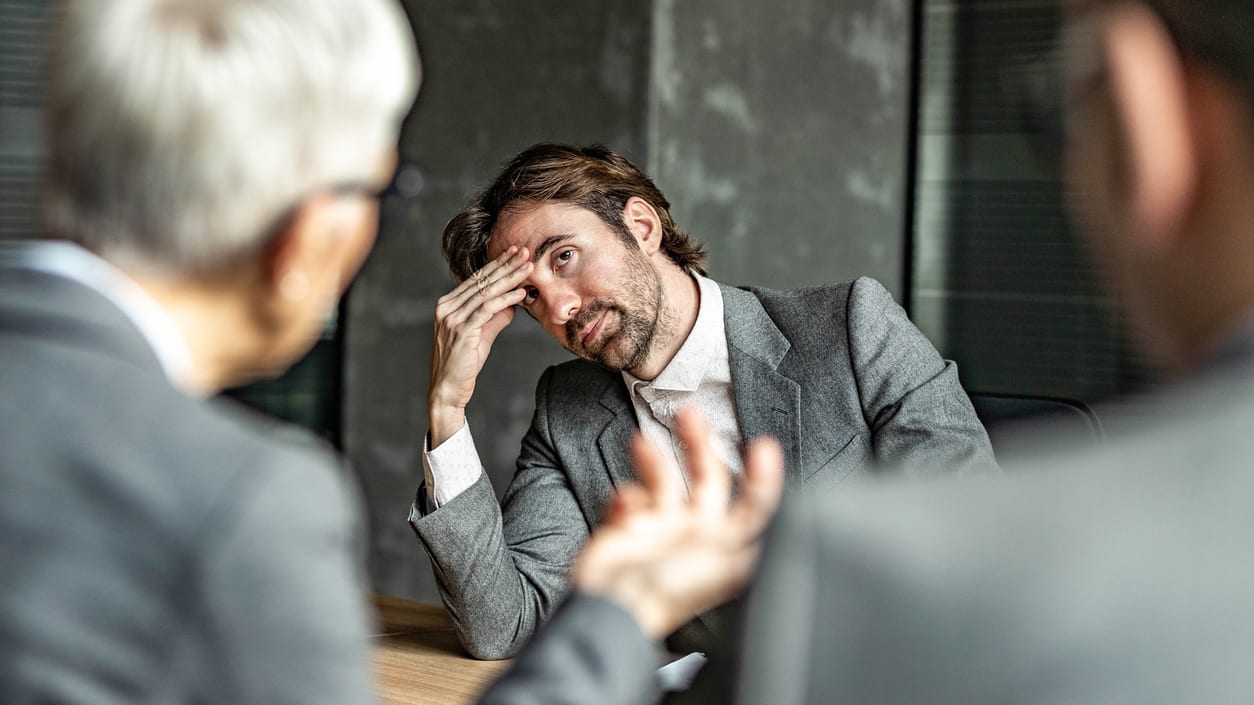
(767,402)
(614,441)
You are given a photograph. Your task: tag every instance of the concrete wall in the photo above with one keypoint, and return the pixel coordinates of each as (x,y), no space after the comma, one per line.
(777,131)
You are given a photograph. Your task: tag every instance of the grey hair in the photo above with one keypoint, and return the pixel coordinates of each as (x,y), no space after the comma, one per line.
(180,131)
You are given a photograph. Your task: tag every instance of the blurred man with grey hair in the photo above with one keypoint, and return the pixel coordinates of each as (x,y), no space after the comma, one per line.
(211,189)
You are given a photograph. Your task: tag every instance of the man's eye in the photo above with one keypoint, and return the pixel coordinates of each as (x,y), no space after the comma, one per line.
(564,256)
(530,294)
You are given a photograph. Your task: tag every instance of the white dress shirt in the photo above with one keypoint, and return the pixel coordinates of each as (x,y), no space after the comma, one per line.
(699,374)
(68,260)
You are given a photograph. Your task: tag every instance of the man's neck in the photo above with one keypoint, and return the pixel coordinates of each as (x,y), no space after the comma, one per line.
(212,325)
(681,301)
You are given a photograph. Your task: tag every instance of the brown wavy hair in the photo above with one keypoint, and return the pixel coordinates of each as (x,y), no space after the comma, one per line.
(592,177)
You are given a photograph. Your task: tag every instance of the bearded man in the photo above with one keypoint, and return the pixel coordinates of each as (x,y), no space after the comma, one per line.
(583,241)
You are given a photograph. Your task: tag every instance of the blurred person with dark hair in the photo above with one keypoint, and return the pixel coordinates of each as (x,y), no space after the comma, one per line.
(584,242)
(211,188)
(1117,575)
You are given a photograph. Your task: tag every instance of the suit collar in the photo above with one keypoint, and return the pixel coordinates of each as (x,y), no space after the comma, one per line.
(750,330)
(614,440)
(74,263)
(63,311)
(768,402)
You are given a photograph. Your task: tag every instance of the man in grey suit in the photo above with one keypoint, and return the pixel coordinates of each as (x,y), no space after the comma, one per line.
(1117,575)
(665,551)
(211,188)
(582,241)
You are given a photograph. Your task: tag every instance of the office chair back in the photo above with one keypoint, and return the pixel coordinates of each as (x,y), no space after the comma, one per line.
(1013,419)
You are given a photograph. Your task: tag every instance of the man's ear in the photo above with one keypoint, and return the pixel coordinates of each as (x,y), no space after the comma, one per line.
(1149,91)
(643,222)
(285,275)
(300,254)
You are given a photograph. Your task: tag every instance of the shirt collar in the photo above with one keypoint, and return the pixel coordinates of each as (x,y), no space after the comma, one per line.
(706,344)
(68,260)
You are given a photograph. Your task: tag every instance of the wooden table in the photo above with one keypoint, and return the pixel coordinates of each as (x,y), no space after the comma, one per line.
(418,661)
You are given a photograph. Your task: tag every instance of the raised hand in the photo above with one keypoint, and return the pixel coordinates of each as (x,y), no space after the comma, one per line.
(665,557)
(467,321)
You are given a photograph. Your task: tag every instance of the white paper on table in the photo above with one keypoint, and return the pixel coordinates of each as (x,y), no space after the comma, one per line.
(679,674)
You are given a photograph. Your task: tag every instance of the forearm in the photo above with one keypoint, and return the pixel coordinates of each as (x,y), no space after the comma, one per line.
(494,607)
(592,651)
(503,568)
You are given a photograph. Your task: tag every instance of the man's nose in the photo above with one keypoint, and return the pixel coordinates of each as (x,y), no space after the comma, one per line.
(562,305)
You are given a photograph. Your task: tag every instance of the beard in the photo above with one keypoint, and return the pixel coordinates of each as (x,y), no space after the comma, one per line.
(630,331)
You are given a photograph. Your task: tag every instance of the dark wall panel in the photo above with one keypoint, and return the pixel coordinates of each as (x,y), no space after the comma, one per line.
(1001,283)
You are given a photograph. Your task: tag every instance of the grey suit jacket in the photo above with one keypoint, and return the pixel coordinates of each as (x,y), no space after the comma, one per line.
(156,548)
(1118,576)
(837,373)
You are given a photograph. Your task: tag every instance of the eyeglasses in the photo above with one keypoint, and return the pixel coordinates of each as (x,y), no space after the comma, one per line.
(406,183)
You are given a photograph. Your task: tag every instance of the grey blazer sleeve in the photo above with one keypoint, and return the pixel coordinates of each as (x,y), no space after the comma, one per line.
(282,594)
(503,568)
(921,419)
(591,652)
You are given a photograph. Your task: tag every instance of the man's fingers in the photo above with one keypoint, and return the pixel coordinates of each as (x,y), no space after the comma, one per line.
(500,275)
(494,314)
(762,486)
(657,477)
(627,502)
(709,482)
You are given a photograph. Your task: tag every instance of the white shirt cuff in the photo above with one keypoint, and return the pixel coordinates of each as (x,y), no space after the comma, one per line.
(451,467)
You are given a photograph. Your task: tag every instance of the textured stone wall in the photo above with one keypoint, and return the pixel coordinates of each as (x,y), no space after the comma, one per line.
(779,129)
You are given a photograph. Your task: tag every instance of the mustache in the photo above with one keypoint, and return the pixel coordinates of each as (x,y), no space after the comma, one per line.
(586,316)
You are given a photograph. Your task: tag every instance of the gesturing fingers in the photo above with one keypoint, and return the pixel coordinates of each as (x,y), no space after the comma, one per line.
(762,486)
(709,481)
(657,477)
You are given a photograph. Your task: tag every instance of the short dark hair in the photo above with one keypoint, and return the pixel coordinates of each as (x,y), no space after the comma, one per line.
(592,177)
